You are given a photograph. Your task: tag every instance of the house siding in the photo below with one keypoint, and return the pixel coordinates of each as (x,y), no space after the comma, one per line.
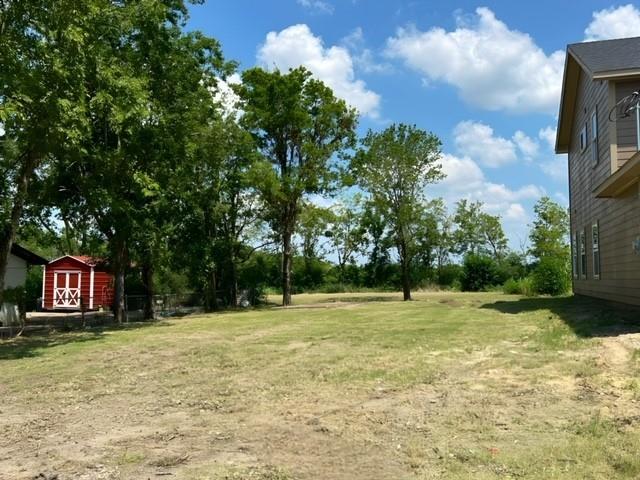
(618,218)
(16,273)
(626,127)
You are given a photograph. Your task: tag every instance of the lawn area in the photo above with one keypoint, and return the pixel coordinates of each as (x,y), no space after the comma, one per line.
(347,386)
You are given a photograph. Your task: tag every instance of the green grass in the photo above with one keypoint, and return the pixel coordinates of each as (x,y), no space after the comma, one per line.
(357,385)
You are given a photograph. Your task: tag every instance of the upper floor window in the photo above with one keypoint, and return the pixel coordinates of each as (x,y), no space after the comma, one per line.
(583,138)
(594,136)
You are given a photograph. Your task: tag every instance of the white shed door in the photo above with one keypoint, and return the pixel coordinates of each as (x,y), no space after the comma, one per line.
(66,289)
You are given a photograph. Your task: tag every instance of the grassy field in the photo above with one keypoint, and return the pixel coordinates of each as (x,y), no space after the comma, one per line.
(352,386)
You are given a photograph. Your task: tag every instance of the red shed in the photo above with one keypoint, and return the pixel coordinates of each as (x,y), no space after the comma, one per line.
(67,281)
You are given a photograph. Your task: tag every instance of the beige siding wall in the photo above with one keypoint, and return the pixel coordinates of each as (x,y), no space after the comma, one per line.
(626,127)
(619,218)
(16,273)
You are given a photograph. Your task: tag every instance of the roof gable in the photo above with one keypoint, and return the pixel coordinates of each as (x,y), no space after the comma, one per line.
(602,60)
(607,57)
(84,259)
(27,255)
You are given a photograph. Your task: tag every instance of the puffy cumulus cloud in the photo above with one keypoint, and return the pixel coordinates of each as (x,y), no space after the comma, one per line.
(318,6)
(460,173)
(614,22)
(492,66)
(478,141)
(516,212)
(226,97)
(548,135)
(526,145)
(465,179)
(297,45)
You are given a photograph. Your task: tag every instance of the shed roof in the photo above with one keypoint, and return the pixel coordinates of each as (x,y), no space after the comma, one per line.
(27,255)
(601,60)
(86,259)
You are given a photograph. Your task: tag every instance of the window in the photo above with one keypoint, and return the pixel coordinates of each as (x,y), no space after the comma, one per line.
(583,138)
(595,248)
(594,136)
(574,254)
(583,254)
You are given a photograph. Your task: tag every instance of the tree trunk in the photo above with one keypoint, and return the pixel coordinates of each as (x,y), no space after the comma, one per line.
(233,282)
(211,299)
(8,231)
(287,254)
(149,287)
(120,267)
(406,272)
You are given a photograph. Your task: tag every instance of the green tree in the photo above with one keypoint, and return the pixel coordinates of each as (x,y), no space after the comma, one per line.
(216,208)
(42,48)
(550,230)
(394,167)
(346,234)
(478,232)
(299,127)
(146,85)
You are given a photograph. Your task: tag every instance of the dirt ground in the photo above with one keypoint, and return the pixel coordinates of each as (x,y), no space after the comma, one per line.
(449,386)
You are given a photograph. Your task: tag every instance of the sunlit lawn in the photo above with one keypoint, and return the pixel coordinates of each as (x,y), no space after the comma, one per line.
(362,386)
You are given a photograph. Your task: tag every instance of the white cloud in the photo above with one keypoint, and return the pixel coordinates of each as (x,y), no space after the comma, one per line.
(526,145)
(556,168)
(461,173)
(516,213)
(363,58)
(226,97)
(465,179)
(478,141)
(548,134)
(297,45)
(620,22)
(492,66)
(318,6)
(1,129)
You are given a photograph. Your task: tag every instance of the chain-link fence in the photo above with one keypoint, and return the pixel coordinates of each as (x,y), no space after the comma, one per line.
(163,305)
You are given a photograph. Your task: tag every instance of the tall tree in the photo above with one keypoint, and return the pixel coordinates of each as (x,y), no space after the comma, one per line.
(299,126)
(377,242)
(145,82)
(41,91)
(395,166)
(550,230)
(346,234)
(478,232)
(216,208)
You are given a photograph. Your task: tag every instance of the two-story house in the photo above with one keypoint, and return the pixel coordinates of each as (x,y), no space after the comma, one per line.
(604,166)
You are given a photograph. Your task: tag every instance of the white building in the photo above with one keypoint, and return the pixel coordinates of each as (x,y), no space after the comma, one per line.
(16,275)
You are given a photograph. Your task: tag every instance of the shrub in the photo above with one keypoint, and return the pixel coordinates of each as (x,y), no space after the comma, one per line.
(449,275)
(551,276)
(521,286)
(478,273)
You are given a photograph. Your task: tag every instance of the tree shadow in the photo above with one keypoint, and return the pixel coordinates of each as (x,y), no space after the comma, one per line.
(586,316)
(36,343)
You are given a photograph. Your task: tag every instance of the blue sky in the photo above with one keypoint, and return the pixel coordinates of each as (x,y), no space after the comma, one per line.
(485,77)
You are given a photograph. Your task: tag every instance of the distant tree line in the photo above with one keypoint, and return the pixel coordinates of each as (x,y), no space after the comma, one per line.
(115,142)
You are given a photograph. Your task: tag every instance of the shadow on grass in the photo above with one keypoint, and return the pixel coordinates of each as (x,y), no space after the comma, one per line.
(34,344)
(587,317)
